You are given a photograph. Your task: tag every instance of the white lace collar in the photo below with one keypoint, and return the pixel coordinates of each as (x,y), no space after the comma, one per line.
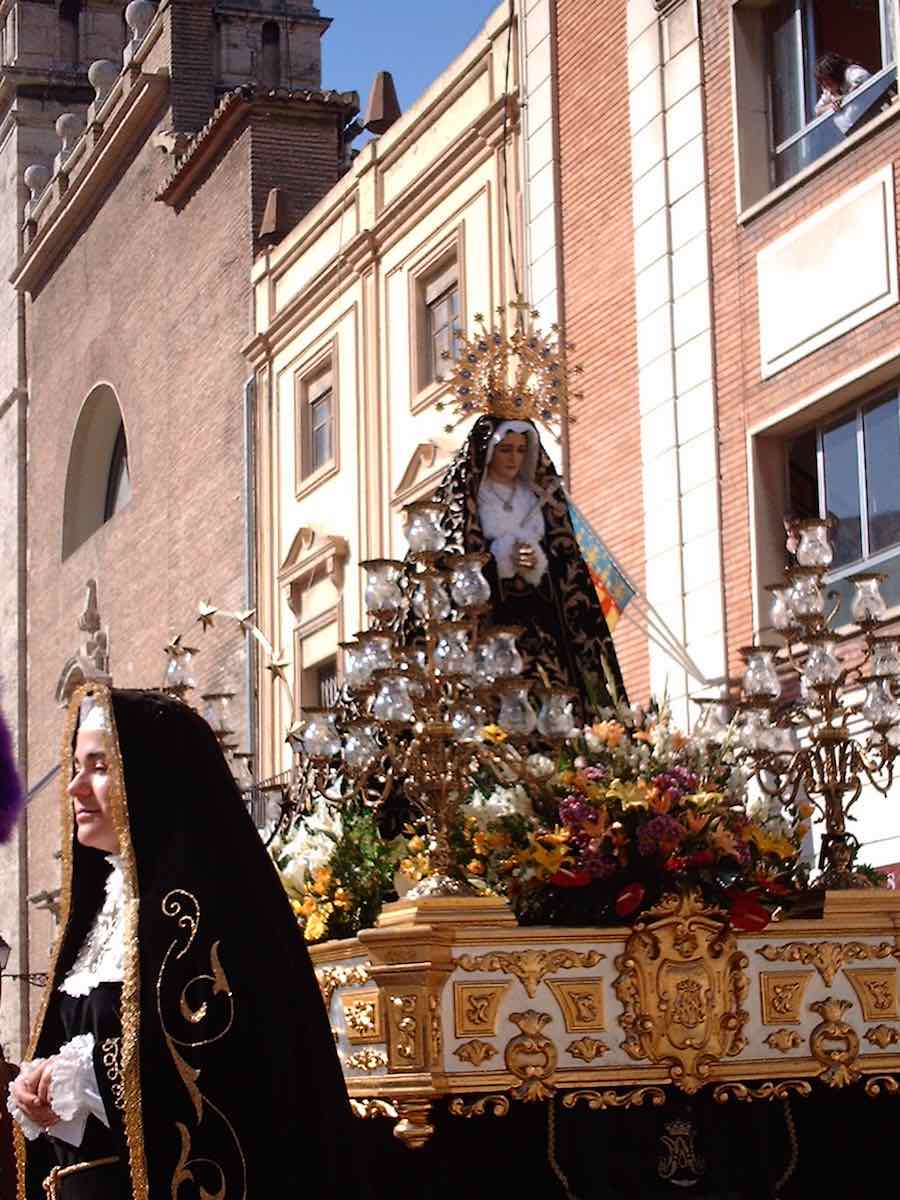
(101,957)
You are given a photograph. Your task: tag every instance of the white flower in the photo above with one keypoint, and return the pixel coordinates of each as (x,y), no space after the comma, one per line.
(540,766)
(591,740)
(311,846)
(502,802)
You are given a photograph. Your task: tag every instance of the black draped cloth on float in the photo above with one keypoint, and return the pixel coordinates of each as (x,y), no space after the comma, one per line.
(564,629)
(225,1074)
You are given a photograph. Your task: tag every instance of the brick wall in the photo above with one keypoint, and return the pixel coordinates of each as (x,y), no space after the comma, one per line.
(299,155)
(744,398)
(598,282)
(193,56)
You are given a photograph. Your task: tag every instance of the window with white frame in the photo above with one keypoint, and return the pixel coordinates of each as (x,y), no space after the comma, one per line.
(785,119)
(848,468)
(316,421)
(441,300)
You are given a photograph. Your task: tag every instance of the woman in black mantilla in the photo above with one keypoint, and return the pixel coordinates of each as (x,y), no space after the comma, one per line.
(502,495)
(182,1048)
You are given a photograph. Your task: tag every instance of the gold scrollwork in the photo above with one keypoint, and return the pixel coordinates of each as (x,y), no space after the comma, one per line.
(111,1050)
(475,1007)
(876,990)
(883,1036)
(782,996)
(529,966)
(610,1098)
(414,1127)
(827,957)
(531,1056)
(765,1091)
(332,978)
(475,1052)
(362,1016)
(834,1043)
(494,1105)
(366,1060)
(435,1034)
(587,1049)
(371,1107)
(404,1050)
(580,1002)
(679,1156)
(784,1040)
(682,985)
(888,1084)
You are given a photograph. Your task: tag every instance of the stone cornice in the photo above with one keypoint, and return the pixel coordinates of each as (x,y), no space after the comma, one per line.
(78,188)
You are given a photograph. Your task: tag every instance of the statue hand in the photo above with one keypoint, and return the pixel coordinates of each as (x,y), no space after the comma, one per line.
(525,557)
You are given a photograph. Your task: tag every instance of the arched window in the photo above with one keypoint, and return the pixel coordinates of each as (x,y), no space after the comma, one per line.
(69,14)
(271,54)
(98,481)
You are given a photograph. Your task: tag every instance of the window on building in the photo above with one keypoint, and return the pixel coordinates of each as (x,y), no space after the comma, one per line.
(271,54)
(98,478)
(847,468)
(777,46)
(69,15)
(327,683)
(441,297)
(316,401)
(118,484)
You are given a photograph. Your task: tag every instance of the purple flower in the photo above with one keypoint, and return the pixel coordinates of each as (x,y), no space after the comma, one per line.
(594,774)
(660,834)
(575,811)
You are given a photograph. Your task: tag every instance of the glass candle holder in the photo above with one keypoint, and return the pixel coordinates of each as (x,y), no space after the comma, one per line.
(502,657)
(360,748)
(216,710)
(784,741)
(781,614)
(383,595)
(468,586)
(822,666)
(555,718)
(867,604)
(753,728)
(356,673)
(760,677)
(320,736)
(885,657)
(814,548)
(393,702)
(423,527)
(467,721)
(431,601)
(879,706)
(377,653)
(805,596)
(452,655)
(179,671)
(710,723)
(516,714)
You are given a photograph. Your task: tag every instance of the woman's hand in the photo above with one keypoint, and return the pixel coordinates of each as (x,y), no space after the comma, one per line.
(32,1094)
(525,557)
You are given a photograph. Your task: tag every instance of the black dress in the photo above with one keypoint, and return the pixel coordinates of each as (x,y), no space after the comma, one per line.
(98,1013)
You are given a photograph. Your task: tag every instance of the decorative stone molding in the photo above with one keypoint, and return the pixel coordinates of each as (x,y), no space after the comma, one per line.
(91,660)
(68,127)
(138,17)
(102,75)
(36,177)
(313,556)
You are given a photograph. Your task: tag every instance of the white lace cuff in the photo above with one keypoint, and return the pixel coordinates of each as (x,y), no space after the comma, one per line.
(28,1127)
(74,1091)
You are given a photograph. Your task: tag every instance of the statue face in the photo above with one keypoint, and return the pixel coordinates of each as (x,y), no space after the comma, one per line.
(90,792)
(509,456)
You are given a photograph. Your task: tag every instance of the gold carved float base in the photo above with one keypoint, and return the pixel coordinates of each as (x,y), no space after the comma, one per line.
(449,998)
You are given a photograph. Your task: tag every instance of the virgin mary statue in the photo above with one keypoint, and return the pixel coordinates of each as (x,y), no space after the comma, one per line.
(503,496)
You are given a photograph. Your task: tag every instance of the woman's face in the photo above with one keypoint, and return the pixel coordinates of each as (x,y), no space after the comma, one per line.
(90,792)
(509,455)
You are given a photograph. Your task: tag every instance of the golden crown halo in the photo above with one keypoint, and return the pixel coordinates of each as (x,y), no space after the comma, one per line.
(519,375)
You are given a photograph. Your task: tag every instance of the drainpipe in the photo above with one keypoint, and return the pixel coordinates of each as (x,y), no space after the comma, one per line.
(22,658)
(250,559)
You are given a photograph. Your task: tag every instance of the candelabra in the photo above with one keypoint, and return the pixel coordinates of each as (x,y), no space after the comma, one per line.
(436,693)
(841,728)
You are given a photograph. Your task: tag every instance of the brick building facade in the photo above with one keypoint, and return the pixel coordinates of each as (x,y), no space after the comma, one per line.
(730,279)
(133,274)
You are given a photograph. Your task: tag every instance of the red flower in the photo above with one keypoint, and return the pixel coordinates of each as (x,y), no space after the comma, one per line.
(675,863)
(629,899)
(703,858)
(570,879)
(747,914)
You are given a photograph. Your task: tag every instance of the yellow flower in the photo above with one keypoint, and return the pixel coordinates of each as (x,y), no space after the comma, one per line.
(610,732)
(704,799)
(307,908)
(315,927)
(629,795)
(342,898)
(767,843)
(494,734)
(549,851)
(321,880)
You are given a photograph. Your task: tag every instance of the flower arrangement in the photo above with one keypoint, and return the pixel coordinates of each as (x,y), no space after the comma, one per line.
(336,869)
(634,809)
(629,809)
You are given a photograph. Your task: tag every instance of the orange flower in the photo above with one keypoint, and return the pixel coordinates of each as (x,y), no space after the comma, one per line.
(678,739)
(475,867)
(724,840)
(658,803)
(645,735)
(610,732)
(695,821)
(599,827)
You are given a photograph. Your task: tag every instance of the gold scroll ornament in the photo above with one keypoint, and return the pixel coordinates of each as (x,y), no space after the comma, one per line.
(682,986)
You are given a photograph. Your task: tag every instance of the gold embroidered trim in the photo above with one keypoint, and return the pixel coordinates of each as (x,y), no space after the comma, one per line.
(111,1050)
(51,1183)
